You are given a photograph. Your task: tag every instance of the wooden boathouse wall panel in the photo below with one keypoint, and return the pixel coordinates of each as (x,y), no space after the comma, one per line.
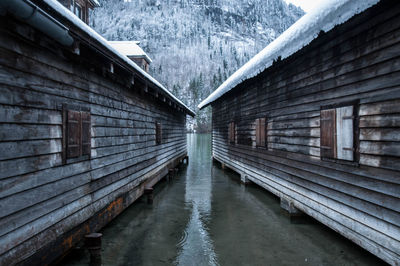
(356,63)
(42,197)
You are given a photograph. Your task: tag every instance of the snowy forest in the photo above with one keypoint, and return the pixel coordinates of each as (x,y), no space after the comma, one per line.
(195,45)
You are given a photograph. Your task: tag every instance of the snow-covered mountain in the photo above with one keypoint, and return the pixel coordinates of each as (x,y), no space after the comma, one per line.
(195,44)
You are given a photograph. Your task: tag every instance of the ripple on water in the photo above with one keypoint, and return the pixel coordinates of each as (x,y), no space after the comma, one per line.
(183,239)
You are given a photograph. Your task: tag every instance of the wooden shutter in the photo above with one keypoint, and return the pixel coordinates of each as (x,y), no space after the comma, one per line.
(158,133)
(328,133)
(345,133)
(258,132)
(73,134)
(86,133)
(262,132)
(231,132)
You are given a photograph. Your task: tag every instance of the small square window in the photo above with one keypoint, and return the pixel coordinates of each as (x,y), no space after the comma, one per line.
(337,133)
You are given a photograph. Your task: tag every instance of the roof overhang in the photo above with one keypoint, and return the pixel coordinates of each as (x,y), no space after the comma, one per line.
(94,3)
(80,31)
(145,57)
(323,18)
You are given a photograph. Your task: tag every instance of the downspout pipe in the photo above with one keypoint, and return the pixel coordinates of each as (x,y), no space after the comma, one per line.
(28,12)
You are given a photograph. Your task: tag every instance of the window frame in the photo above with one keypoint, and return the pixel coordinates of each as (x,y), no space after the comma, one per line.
(78,8)
(356,130)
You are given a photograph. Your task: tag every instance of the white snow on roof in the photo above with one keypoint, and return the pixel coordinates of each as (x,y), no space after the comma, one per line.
(322,18)
(67,14)
(130,48)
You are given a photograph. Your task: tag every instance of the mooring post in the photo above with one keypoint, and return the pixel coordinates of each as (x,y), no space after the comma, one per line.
(149,193)
(171,172)
(295,215)
(244,179)
(93,244)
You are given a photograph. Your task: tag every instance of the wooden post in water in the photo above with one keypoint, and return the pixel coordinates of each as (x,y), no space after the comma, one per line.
(295,215)
(244,179)
(93,244)
(149,193)
(171,172)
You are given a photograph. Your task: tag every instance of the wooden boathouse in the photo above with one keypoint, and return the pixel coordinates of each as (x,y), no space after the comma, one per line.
(83,131)
(314,118)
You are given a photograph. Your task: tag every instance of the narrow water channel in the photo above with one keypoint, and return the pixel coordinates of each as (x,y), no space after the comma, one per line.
(206,217)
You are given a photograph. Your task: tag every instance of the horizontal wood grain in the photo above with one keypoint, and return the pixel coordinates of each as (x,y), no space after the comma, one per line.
(42,195)
(357,64)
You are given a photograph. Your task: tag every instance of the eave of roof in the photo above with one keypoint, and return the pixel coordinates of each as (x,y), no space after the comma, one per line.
(322,18)
(94,36)
(134,51)
(94,3)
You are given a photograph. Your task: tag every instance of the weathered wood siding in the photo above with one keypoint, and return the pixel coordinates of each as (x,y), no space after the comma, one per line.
(40,197)
(357,61)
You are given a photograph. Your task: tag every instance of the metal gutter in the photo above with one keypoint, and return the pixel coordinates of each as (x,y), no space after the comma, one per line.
(28,12)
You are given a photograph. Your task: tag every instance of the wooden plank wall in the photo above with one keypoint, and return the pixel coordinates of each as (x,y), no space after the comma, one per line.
(40,198)
(358,61)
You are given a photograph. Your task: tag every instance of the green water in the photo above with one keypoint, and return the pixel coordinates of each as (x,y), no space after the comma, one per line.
(204,216)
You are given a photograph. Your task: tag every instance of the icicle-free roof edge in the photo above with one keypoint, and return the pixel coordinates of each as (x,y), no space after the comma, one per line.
(323,17)
(68,15)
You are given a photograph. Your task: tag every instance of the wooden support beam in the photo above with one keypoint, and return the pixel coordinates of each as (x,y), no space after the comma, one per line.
(149,193)
(93,244)
(171,172)
(132,81)
(244,179)
(295,215)
(76,48)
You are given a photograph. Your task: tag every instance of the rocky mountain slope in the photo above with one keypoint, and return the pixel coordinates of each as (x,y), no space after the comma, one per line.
(195,44)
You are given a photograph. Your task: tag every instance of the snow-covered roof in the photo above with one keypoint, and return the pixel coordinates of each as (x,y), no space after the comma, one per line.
(323,17)
(69,16)
(130,49)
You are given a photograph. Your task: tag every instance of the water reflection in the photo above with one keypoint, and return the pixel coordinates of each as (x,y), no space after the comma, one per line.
(196,246)
(205,217)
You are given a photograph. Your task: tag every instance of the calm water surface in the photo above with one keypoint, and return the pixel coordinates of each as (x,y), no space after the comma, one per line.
(206,217)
